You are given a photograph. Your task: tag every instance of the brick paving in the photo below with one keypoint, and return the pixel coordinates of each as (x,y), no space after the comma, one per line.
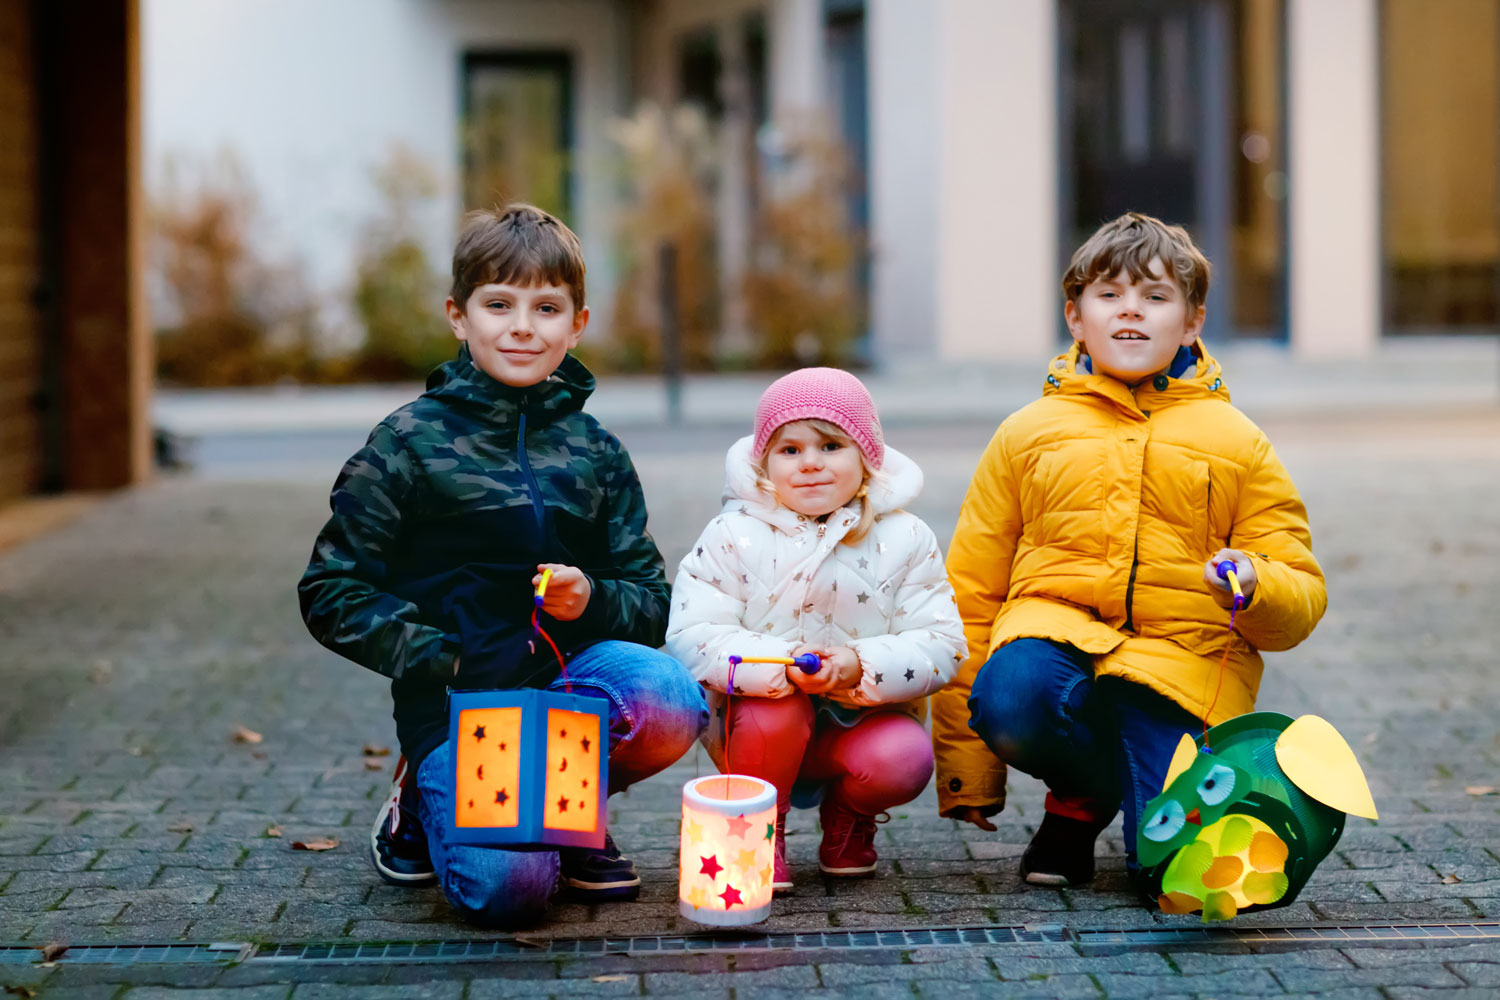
(135,641)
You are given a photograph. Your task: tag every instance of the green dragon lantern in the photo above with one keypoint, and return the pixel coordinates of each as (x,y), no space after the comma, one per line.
(1246,813)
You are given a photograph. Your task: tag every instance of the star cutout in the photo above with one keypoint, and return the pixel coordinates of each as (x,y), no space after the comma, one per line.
(585,782)
(746,860)
(910,674)
(562,804)
(585,742)
(502,746)
(691,831)
(770,831)
(730,896)
(479,732)
(471,803)
(562,734)
(738,825)
(711,866)
(501,798)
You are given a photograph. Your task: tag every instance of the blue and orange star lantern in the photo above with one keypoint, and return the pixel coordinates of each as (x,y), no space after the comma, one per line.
(531,766)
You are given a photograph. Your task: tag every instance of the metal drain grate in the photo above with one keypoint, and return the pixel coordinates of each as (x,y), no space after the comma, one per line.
(522,948)
(1284,937)
(132,954)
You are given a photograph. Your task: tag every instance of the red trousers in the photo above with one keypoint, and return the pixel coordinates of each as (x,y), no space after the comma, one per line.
(881,761)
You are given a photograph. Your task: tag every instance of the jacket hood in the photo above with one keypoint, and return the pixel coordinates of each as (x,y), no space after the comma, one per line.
(897,484)
(1200,376)
(463,382)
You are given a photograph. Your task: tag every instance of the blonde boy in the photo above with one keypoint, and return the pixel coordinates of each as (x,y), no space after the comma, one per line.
(1084,554)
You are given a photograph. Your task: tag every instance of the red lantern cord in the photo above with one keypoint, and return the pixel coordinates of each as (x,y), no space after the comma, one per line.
(536,628)
(1227,570)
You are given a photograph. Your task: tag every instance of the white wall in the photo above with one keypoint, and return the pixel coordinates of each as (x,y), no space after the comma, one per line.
(997,182)
(311,96)
(1334,209)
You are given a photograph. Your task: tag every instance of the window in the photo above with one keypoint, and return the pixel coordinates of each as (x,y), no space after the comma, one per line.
(517,129)
(1440,146)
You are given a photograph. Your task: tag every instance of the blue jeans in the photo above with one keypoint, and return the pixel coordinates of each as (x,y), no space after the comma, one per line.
(1097,743)
(656,711)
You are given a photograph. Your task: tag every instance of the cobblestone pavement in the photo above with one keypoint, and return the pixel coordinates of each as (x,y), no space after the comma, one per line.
(135,641)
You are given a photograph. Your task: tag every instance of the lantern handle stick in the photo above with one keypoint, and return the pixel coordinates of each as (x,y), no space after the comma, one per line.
(1227,571)
(808,663)
(541,588)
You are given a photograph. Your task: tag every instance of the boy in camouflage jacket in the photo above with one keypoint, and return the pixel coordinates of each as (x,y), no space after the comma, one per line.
(442,525)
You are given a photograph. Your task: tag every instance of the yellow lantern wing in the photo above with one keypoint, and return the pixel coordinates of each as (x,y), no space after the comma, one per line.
(1319,762)
(1182,759)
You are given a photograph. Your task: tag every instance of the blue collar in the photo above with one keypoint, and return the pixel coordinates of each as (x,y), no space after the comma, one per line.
(1182,361)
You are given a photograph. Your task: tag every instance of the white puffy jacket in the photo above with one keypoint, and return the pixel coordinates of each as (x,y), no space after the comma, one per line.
(763,579)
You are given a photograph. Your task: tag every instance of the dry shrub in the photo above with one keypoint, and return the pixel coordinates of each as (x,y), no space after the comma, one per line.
(801,289)
(228,317)
(667,165)
(398,296)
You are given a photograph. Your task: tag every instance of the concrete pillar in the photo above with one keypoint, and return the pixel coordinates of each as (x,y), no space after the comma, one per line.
(796,44)
(904,58)
(1334,154)
(997,273)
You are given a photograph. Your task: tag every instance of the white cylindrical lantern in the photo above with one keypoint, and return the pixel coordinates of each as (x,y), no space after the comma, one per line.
(728,841)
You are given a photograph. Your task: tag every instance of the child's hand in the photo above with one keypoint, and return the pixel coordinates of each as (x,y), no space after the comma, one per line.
(567,593)
(840,670)
(1243,568)
(973,814)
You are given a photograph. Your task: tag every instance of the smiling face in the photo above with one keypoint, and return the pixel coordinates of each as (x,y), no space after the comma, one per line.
(518,334)
(812,472)
(1132,329)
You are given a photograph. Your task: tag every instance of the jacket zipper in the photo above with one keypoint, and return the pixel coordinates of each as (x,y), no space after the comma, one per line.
(1135,564)
(536,493)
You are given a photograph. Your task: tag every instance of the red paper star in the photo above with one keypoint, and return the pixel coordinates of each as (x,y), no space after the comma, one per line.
(562,804)
(479,732)
(585,742)
(738,825)
(730,896)
(711,866)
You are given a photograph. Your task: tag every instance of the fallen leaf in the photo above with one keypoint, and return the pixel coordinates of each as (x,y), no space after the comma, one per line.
(1451,879)
(374,765)
(610,979)
(273,831)
(258,754)
(52,952)
(1482,790)
(180,827)
(321,844)
(101,672)
(135,751)
(371,750)
(21,991)
(243,735)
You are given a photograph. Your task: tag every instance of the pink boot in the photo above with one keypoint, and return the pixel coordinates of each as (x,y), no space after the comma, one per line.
(848,846)
(781,875)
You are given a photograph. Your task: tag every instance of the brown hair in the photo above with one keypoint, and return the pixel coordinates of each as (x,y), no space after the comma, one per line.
(836,433)
(518,244)
(1128,244)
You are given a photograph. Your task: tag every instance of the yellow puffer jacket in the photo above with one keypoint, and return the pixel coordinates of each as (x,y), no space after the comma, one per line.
(1089,520)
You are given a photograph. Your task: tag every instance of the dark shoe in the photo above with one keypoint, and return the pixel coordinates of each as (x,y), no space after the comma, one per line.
(1061,853)
(398,846)
(848,846)
(601,876)
(781,875)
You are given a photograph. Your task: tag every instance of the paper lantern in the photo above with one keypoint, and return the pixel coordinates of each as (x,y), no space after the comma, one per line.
(728,840)
(1248,810)
(531,769)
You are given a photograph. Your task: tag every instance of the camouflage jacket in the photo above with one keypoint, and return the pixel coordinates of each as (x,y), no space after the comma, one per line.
(439,522)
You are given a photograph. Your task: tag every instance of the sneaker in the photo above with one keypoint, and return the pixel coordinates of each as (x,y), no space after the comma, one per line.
(1061,853)
(398,846)
(781,875)
(848,846)
(601,876)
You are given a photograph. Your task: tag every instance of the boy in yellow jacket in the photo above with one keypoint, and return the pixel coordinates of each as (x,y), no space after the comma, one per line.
(1084,559)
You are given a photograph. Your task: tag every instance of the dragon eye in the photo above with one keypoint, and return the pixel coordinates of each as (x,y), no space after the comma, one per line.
(1216,785)
(1166,822)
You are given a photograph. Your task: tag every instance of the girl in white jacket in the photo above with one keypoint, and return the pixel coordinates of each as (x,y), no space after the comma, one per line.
(813,554)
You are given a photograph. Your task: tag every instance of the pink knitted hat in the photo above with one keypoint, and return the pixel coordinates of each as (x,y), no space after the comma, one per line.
(829,394)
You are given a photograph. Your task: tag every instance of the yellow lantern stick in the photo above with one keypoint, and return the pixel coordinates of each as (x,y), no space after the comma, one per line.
(541,588)
(810,663)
